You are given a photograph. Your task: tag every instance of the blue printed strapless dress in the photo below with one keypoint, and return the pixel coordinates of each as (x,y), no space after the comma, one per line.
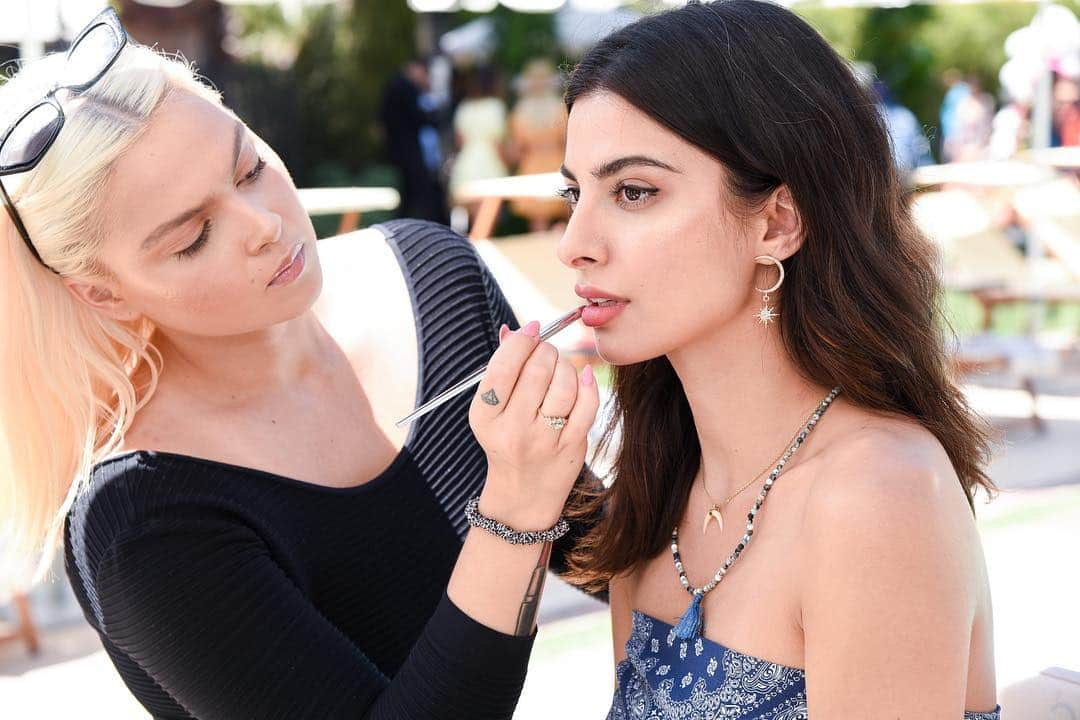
(663,678)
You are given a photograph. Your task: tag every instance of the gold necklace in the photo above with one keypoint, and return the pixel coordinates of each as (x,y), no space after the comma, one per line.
(716,511)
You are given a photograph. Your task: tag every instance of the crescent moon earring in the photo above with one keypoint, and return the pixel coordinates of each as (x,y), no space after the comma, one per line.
(767,314)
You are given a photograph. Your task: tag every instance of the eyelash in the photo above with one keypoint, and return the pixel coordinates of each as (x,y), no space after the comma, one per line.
(570,195)
(196,246)
(573,194)
(256,171)
(204,236)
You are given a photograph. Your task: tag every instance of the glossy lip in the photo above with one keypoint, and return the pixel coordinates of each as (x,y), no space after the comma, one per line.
(588,292)
(287,262)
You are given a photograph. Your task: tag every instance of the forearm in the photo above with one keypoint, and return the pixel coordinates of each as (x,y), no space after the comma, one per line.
(499,584)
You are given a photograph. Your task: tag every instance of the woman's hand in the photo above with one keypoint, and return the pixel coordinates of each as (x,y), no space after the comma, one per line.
(532,466)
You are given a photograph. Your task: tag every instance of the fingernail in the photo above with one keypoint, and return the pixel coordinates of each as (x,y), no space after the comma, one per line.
(503,332)
(532,329)
(587,377)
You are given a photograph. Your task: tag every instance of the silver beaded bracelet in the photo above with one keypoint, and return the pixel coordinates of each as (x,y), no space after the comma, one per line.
(496,528)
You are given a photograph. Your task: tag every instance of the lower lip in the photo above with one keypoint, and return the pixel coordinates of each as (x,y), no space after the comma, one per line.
(597,315)
(290,273)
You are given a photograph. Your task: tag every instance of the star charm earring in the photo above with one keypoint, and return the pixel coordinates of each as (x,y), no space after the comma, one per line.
(766,314)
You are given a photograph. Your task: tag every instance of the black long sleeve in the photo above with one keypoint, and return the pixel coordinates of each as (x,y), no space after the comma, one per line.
(227,593)
(199,601)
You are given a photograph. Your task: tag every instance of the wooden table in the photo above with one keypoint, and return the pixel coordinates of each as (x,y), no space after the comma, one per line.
(1063,158)
(491,194)
(349,202)
(989,298)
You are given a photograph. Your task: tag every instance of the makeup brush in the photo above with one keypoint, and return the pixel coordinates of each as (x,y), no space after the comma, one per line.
(546,332)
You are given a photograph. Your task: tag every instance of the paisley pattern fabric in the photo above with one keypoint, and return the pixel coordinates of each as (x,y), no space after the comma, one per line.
(664,678)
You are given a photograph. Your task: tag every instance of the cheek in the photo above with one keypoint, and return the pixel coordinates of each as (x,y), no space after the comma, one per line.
(688,285)
(697,260)
(200,304)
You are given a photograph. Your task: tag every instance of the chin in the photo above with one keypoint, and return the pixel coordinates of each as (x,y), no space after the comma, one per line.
(625,350)
(310,288)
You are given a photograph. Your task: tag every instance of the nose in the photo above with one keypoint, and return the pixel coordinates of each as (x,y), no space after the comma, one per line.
(263,226)
(582,244)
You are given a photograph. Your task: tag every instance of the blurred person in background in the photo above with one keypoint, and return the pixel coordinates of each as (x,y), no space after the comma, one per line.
(1066,113)
(970,139)
(410,125)
(1011,128)
(201,401)
(910,148)
(789,529)
(480,130)
(956,90)
(538,138)
(908,142)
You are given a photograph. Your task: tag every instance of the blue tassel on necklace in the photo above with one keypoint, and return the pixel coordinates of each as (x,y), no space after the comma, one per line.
(690,625)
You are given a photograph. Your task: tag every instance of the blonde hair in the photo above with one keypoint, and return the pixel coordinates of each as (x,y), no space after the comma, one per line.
(67,388)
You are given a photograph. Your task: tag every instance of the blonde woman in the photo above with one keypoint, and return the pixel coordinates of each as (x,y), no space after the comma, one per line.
(245,528)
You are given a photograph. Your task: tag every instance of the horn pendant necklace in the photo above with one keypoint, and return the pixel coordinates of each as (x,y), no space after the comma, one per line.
(691,625)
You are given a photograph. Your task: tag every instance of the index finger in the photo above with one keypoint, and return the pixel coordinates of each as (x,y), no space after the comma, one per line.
(499,379)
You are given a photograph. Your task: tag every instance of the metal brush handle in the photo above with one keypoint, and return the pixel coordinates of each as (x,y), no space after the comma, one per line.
(442,398)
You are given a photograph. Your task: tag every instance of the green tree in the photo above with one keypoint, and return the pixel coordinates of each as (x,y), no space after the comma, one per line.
(343,63)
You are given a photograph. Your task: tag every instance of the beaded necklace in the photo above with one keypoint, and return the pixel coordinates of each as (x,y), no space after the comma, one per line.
(691,625)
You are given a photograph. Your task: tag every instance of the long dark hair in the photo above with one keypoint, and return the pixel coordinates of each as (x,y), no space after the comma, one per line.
(757,88)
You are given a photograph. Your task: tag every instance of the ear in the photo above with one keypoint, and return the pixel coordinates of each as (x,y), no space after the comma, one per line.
(784,229)
(102,296)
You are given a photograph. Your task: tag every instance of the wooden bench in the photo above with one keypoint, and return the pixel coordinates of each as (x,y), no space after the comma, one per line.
(349,202)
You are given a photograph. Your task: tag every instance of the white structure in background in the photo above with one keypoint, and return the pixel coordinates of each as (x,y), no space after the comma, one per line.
(472,42)
(1050,42)
(537,6)
(577,30)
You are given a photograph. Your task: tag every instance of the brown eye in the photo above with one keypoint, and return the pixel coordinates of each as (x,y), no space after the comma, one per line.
(633,195)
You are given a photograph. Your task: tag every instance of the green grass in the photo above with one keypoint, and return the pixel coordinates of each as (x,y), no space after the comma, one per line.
(603,375)
(572,634)
(964,314)
(1054,506)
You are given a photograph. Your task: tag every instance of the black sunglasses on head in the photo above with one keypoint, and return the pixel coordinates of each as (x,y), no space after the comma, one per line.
(24,144)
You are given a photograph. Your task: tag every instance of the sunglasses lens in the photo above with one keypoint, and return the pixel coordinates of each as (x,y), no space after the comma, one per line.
(30,137)
(89,57)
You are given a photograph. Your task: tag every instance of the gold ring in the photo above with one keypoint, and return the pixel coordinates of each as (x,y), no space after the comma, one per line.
(556,422)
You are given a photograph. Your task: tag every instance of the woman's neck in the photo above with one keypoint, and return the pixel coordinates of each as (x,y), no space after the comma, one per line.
(747,397)
(237,369)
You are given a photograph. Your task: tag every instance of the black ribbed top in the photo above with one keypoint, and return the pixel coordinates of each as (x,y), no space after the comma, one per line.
(223,592)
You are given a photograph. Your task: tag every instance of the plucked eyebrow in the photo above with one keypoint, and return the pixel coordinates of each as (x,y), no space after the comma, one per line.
(166,227)
(612,167)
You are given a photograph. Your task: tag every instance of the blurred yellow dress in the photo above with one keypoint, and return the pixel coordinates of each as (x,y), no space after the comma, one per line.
(481,124)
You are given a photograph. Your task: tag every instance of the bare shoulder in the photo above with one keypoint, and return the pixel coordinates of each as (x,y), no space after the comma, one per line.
(352,244)
(884,468)
(886,506)
(365,297)
(343,257)
(892,579)
(164,424)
